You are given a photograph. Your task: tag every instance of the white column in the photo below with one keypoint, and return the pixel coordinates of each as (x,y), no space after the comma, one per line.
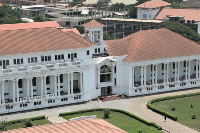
(133,75)
(189,69)
(72,81)
(81,82)
(197,69)
(45,87)
(59,85)
(167,72)
(13,88)
(178,70)
(145,75)
(27,88)
(153,74)
(2,92)
(17,90)
(175,73)
(141,75)
(156,77)
(98,76)
(130,77)
(68,83)
(186,69)
(31,84)
(55,85)
(164,78)
(41,86)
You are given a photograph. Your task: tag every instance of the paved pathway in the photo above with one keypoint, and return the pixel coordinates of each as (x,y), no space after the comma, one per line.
(55,119)
(135,105)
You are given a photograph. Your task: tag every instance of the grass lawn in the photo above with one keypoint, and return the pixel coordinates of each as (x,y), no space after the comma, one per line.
(120,120)
(21,125)
(183,109)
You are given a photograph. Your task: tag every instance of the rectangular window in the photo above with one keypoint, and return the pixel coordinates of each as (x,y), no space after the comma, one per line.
(20,83)
(68,56)
(173,65)
(184,65)
(95,50)
(98,50)
(115,81)
(47,80)
(194,68)
(61,78)
(14,60)
(62,56)
(42,58)
(115,69)
(0,63)
(75,55)
(58,57)
(34,81)
(144,15)
(49,58)
(46,59)
(7,62)
(88,52)
(162,66)
(29,60)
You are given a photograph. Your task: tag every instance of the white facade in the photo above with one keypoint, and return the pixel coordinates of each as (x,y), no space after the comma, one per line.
(147,13)
(43,79)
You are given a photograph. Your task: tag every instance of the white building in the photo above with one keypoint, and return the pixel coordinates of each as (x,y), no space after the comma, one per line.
(150,9)
(44,67)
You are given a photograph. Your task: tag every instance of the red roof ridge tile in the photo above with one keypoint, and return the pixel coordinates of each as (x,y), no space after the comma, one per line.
(93,23)
(79,36)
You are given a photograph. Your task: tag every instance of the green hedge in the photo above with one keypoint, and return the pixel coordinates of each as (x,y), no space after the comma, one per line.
(115,110)
(25,120)
(162,112)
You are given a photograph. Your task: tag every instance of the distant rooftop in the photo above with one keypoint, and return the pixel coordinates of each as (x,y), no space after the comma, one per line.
(126,2)
(29,25)
(154,4)
(93,23)
(189,14)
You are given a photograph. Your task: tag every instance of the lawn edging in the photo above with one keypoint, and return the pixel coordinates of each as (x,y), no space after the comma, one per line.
(25,120)
(114,110)
(164,113)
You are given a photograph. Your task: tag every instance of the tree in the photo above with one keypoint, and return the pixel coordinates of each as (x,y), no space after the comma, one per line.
(181,29)
(117,7)
(39,17)
(103,3)
(9,15)
(80,29)
(106,113)
(176,6)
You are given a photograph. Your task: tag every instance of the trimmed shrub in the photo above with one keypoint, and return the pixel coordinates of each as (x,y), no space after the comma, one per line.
(106,113)
(25,120)
(193,117)
(28,124)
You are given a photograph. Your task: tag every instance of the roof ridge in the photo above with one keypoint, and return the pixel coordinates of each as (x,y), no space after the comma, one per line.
(104,125)
(76,39)
(30,28)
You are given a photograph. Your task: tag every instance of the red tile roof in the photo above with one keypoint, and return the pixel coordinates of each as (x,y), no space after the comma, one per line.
(151,45)
(93,23)
(73,30)
(38,40)
(189,14)
(29,25)
(80,126)
(153,4)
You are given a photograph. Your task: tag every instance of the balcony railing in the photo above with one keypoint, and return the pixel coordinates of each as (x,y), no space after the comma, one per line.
(43,67)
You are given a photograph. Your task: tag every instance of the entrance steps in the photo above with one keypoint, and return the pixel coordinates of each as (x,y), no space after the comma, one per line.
(111,97)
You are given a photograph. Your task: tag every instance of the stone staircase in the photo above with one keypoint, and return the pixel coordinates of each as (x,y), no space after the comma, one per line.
(111,97)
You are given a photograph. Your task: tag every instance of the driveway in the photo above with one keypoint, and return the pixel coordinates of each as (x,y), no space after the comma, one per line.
(135,105)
